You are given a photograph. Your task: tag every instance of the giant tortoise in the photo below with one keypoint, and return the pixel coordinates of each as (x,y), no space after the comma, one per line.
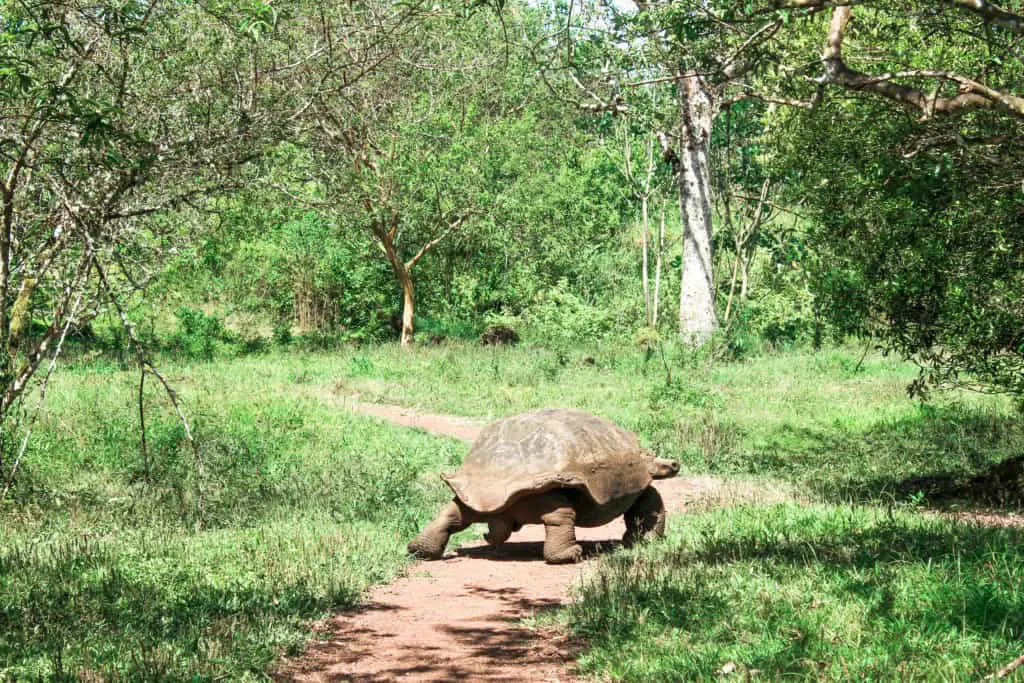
(562,468)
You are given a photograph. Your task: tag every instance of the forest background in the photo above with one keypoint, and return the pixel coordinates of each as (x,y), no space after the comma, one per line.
(661,192)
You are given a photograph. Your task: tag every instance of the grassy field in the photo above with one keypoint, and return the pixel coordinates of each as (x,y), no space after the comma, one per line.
(106,572)
(845,430)
(822,592)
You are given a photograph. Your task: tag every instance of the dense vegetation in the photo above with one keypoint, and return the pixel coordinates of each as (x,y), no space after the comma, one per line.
(218,217)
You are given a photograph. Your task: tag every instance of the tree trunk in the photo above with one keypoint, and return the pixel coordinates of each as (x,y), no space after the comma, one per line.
(697,320)
(403,273)
(408,306)
(657,268)
(644,276)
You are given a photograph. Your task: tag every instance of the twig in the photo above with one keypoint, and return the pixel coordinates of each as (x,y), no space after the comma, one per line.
(173,396)
(146,366)
(142,422)
(867,347)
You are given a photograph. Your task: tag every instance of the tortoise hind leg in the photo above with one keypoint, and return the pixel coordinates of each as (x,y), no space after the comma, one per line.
(559,518)
(645,516)
(499,529)
(431,542)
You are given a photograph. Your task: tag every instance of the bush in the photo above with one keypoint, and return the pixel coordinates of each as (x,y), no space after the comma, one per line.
(499,334)
(200,335)
(561,320)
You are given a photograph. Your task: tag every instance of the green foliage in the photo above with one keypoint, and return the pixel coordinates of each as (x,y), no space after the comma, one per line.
(199,335)
(806,592)
(561,320)
(772,319)
(916,243)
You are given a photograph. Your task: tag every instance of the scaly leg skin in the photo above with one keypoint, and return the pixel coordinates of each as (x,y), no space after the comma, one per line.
(499,529)
(559,518)
(431,542)
(645,516)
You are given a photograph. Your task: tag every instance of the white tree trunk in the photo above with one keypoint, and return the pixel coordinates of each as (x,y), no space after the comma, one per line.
(697,320)
(408,308)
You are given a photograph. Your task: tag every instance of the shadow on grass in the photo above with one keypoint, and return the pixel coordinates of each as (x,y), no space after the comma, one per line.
(936,456)
(873,559)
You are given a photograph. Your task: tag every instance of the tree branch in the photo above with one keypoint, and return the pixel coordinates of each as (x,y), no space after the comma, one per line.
(434,242)
(972,94)
(731,67)
(996,15)
(772,99)
(42,397)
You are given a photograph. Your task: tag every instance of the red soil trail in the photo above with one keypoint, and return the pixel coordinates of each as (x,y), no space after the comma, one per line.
(463,428)
(457,619)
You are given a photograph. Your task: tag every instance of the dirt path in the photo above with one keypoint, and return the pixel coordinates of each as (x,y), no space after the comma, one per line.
(458,618)
(463,428)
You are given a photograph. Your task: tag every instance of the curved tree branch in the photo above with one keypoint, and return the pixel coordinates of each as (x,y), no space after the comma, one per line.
(972,94)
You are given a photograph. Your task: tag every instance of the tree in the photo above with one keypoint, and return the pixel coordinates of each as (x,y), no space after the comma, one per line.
(90,149)
(703,62)
(917,233)
(391,156)
(716,53)
(111,115)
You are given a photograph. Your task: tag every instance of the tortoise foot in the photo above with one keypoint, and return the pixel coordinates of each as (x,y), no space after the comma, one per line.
(573,553)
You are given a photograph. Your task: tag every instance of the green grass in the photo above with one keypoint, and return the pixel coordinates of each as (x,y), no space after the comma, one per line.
(842,429)
(817,592)
(106,572)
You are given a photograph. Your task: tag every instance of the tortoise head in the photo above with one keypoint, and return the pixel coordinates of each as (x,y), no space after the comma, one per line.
(660,468)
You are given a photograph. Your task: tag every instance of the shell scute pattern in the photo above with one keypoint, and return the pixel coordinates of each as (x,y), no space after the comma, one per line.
(546,449)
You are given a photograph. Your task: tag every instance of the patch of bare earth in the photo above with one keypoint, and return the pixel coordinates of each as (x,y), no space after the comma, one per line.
(1006,520)
(463,428)
(459,618)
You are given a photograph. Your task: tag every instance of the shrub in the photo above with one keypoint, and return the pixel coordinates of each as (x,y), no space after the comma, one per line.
(499,335)
(200,335)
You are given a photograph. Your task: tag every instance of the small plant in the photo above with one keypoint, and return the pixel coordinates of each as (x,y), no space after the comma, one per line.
(283,333)
(360,366)
(199,335)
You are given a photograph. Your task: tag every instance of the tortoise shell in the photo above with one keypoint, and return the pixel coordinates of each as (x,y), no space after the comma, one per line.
(548,449)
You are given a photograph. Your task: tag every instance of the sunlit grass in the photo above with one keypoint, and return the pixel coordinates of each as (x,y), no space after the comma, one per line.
(830,420)
(814,592)
(107,570)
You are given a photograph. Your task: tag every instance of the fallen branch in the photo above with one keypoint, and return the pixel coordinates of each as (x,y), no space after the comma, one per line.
(1008,669)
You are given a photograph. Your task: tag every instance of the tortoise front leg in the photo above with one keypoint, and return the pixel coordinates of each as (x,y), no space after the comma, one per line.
(559,518)
(645,516)
(431,542)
